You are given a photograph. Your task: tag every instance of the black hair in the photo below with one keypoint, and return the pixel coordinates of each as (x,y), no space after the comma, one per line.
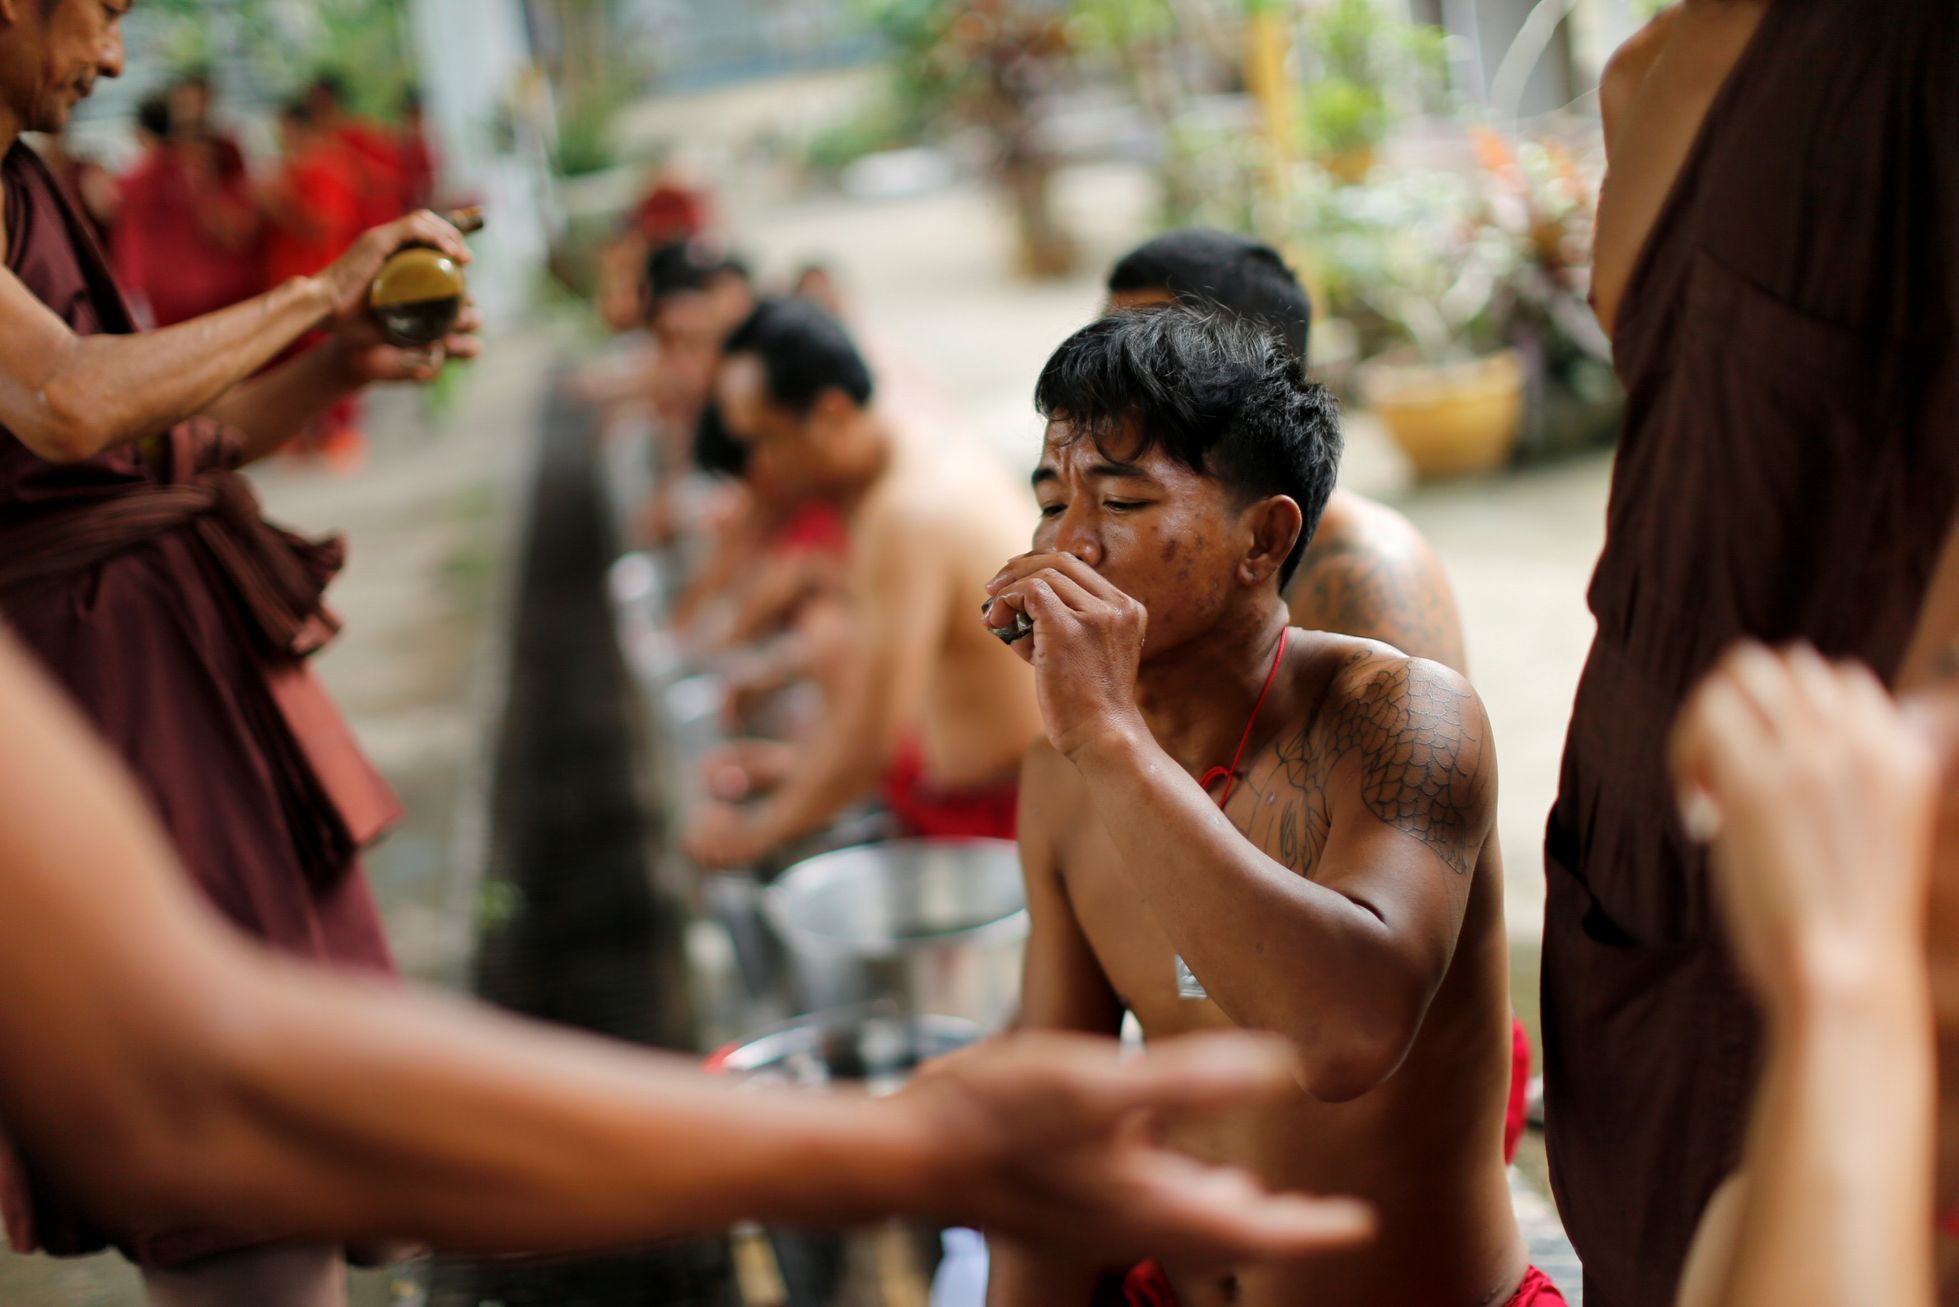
(715,451)
(1220,396)
(153,116)
(332,83)
(1208,267)
(803,351)
(687,267)
(411,100)
(298,111)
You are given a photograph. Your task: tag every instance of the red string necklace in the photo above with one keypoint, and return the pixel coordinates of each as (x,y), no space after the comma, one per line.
(1229,775)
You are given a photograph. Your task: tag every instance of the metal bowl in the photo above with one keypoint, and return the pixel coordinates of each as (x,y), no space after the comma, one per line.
(934,925)
(886,1264)
(877,1046)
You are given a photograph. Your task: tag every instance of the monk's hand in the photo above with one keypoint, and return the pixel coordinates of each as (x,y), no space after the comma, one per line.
(1045,1138)
(721,837)
(1085,647)
(1817,799)
(368,355)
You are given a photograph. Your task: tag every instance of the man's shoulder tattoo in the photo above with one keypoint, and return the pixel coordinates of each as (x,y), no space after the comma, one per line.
(1418,741)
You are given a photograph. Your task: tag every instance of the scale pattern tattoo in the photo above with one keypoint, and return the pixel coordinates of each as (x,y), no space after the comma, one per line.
(1417,740)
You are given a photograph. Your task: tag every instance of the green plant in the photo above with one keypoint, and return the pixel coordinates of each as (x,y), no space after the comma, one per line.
(987,65)
(364,40)
(1366,69)
(838,144)
(1409,259)
(585,130)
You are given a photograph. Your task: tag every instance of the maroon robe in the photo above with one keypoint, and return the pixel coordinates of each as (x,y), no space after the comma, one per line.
(178,620)
(1788,471)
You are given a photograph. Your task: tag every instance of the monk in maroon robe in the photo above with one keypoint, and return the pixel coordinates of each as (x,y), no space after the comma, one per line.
(134,562)
(1778,262)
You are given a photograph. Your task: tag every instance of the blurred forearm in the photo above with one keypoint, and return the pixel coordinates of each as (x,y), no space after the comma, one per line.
(1835,1208)
(160,1063)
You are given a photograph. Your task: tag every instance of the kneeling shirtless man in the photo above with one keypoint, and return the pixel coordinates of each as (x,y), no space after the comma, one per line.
(1234,823)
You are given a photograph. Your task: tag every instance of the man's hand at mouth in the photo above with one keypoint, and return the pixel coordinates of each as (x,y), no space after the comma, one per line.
(1086,645)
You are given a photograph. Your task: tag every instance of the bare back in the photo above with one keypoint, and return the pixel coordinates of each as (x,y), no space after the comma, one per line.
(954,513)
(1425,1146)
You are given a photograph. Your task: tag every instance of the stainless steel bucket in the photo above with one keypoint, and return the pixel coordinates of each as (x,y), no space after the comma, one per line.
(934,925)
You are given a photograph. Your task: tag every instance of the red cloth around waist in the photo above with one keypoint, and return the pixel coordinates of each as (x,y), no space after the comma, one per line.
(926,811)
(1147,1285)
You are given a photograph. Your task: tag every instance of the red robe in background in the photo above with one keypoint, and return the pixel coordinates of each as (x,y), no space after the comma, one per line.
(321,214)
(418,169)
(186,242)
(379,178)
(147,583)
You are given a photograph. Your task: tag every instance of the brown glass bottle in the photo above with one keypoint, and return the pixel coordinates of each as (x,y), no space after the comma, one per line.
(418,296)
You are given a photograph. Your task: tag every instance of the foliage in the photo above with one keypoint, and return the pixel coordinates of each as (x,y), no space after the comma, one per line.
(1367,70)
(365,41)
(1455,263)
(586,142)
(1410,260)
(877,126)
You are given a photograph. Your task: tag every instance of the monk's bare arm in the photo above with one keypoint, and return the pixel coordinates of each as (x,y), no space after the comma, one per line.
(1369,573)
(270,410)
(160,1063)
(1655,101)
(1062,988)
(1341,953)
(163,1064)
(70,397)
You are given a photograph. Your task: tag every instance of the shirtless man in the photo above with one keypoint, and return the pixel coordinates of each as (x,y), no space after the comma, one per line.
(1342,899)
(1367,571)
(929,703)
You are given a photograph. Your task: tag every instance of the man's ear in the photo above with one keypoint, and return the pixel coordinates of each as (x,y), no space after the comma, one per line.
(1275,526)
(10,11)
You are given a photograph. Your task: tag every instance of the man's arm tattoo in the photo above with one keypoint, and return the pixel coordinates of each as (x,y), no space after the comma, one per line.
(1420,750)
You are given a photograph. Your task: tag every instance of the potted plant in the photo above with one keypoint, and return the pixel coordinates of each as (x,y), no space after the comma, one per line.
(1413,260)
(989,65)
(1542,195)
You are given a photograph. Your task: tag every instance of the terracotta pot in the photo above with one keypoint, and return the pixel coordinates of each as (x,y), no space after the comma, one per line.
(1350,166)
(1450,419)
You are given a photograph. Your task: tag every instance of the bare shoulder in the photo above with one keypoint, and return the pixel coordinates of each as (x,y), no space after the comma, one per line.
(1416,743)
(1370,573)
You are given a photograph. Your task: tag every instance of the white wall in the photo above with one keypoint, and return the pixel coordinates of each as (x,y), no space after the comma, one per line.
(488,114)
